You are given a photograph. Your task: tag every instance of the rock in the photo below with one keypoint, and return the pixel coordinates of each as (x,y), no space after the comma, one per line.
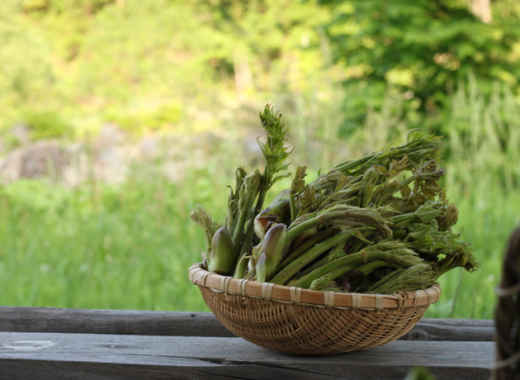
(110,157)
(79,169)
(10,166)
(109,135)
(41,159)
(106,158)
(111,165)
(20,133)
(150,147)
(44,159)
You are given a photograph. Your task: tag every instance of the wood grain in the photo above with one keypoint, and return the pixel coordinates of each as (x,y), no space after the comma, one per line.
(101,356)
(29,319)
(33,319)
(434,329)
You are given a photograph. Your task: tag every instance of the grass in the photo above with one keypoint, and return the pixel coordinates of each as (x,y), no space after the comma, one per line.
(100,247)
(486,219)
(129,247)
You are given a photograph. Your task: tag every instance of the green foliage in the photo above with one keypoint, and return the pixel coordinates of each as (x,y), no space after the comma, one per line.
(102,246)
(423,48)
(60,6)
(35,5)
(161,119)
(419,373)
(47,124)
(128,61)
(484,135)
(130,246)
(274,148)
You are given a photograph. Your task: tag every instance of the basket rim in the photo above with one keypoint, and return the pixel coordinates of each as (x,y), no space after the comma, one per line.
(299,296)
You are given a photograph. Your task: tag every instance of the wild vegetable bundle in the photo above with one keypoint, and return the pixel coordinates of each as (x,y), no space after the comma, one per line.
(379,224)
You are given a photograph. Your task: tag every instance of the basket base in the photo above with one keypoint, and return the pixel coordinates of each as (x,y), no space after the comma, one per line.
(309,330)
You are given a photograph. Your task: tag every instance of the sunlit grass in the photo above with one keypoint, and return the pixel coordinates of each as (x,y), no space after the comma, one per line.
(130,247)
(486,219)
(107,248)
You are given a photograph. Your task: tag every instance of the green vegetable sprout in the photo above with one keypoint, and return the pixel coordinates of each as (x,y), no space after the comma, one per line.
(378,224)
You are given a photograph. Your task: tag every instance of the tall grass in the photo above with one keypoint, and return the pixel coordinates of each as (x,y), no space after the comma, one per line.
(482,179)
(484,138)
(487,216)
(129,246)
(102,247)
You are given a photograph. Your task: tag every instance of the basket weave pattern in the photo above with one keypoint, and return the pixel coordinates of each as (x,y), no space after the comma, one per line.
(301,321)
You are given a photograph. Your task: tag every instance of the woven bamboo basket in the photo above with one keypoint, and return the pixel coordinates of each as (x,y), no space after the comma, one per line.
(308,322)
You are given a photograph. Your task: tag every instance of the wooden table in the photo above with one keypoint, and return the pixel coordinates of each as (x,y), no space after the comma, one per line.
(45,343)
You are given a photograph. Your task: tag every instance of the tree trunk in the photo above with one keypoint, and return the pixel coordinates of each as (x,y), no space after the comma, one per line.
(507,314)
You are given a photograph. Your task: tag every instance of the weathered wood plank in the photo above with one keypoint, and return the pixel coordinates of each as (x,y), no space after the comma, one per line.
(28,319)
(33,319)
(467,330)
(99,356)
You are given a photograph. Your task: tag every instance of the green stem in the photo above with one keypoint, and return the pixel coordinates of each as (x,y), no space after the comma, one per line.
(292,206)
(238,228)
(309,243)
(295,266)
(388,277)
(372,266)
(296,230)
(261,198)
(420,147)
(246,242)
(352,260)
(325,259)
(365,269)
(418,276)
(241,267)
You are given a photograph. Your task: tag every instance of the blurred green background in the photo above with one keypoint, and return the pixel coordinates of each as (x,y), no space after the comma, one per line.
(117,117)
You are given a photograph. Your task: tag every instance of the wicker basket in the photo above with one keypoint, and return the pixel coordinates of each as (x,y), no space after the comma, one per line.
(309,322)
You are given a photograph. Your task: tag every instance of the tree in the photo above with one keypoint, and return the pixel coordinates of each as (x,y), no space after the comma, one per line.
(422,48)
